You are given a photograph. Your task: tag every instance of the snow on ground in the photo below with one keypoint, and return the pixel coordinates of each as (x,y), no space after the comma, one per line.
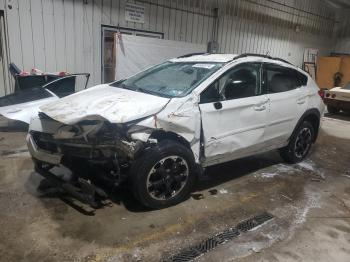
(299,168)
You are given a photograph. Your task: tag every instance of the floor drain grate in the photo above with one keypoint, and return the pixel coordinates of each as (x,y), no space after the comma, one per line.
(191,253)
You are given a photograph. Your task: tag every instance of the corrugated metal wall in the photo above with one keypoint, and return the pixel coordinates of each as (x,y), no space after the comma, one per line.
(342,33)
(283,29)
(55,35)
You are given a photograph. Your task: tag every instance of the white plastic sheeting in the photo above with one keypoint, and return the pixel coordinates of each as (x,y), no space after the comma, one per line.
(136,53)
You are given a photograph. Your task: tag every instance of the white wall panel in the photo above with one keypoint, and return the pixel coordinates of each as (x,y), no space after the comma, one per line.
(49,35)
(262,27)
(79,58)
(115,12)
(106,12)
(38,34)
(56,35)
(70,35)
(26,33)
(88,43)
(342,33)
(14,32)
(60,36)
(96,39)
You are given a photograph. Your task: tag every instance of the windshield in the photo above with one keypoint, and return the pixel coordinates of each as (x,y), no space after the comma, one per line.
(170,79)
(347,86)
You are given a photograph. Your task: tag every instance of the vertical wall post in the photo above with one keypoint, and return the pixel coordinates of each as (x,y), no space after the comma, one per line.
(213,45)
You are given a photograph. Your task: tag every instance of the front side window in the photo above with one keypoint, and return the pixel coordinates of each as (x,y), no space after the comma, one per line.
(280,79)
(240,82)
(170,79)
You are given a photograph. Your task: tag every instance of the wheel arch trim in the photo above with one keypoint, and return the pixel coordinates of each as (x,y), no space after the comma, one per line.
(312,113)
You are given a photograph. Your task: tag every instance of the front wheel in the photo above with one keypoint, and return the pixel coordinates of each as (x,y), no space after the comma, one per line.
(299,144)
(163,176)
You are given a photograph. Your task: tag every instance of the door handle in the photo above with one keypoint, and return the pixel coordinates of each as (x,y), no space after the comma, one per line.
(301,101)
(260,108)
(267,100)
(262,105)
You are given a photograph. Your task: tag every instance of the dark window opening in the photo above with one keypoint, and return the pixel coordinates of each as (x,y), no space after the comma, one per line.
(240,82)
(211,94)
(302,78)
(280,79)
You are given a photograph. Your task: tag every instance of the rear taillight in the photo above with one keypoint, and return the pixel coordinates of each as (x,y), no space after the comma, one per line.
(321,93)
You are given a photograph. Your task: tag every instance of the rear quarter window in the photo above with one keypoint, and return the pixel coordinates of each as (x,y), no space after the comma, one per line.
(302,78)
(280,79)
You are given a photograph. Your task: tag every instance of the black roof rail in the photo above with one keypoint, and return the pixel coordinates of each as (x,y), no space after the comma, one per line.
(192,54)
(260,55)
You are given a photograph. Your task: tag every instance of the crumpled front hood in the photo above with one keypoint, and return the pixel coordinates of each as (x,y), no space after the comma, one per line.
(111,103)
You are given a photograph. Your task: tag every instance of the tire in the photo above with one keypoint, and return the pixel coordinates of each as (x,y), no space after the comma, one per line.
(332,109)
(299,144)
(158,184)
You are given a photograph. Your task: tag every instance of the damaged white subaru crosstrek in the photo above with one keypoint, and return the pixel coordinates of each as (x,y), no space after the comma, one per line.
(159,128)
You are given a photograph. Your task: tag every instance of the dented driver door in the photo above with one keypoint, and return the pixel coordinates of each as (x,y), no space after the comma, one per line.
(234,112)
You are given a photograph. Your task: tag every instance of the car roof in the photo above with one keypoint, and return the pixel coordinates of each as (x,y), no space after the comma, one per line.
(226,58)
(218,58)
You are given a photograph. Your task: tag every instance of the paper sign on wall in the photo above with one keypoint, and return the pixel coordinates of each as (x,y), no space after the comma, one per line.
(135,13)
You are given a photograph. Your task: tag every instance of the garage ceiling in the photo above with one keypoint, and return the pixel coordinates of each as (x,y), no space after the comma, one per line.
(338,3)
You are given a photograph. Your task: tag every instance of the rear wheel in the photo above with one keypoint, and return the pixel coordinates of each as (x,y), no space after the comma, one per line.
(163,175)
(299,144)
(332,109)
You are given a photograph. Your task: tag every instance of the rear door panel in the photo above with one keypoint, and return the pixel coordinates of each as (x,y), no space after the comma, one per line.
(287,102)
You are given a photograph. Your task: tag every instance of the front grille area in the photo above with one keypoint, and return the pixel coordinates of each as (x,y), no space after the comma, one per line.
(46,142)
(42,141)
(81,152)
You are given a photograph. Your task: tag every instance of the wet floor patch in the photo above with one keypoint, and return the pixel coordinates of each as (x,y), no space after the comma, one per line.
(13,152)
(209,244)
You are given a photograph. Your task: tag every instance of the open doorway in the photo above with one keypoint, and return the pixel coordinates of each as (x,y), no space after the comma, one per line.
(109,34)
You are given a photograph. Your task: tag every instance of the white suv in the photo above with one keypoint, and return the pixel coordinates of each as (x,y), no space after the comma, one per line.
(159,128)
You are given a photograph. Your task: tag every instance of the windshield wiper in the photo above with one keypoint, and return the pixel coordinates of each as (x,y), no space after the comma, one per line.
(140,89)
(122,85)
(143,90)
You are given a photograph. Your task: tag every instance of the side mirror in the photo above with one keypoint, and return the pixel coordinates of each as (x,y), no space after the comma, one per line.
(217,105)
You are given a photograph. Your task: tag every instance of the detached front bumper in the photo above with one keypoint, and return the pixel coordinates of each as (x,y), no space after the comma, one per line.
(41,155)
(81,189)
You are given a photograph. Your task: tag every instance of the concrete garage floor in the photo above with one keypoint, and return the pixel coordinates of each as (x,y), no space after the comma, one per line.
(310,203)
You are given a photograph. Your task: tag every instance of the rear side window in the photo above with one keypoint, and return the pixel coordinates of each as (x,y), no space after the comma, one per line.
(280,79)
